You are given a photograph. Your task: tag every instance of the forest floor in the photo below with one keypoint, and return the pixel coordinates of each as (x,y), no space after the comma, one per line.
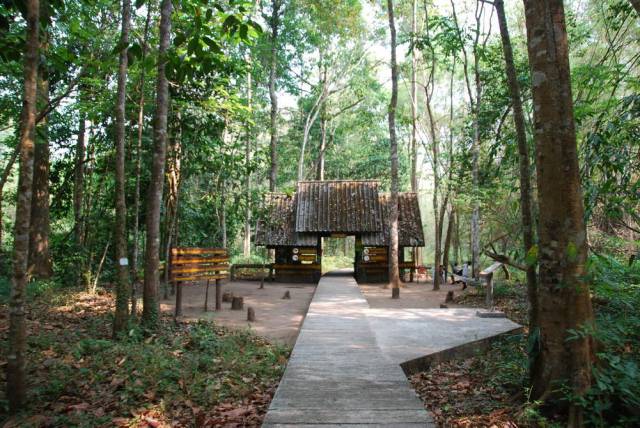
(484,390)
(182,374)
(277,319)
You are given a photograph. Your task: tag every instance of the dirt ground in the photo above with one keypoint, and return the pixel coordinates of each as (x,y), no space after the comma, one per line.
(277,319)
(412,295)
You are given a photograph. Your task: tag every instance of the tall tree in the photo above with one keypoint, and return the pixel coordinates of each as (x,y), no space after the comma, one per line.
(138,167)
(122,287)
(274,23)
(78,182)
(16,356)
(394,271)
(40,264)
(564,303)
(523,152)
(154,195)
(413,142)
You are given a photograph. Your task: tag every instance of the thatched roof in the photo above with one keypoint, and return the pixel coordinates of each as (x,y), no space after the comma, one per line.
(410,233)
(278,226)
(345,206)
(350,207)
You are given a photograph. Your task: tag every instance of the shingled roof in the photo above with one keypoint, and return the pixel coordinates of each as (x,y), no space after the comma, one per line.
(325,207)
(278,227)
(410,233)
(345,206)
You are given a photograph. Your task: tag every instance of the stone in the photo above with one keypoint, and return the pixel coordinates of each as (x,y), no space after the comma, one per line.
(287,295)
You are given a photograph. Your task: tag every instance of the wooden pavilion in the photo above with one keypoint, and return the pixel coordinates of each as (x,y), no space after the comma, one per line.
(294,224)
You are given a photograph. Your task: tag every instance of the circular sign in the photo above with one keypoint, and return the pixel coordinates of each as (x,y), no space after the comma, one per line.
(295,251)
(366,258)
(295,257)
(366,251)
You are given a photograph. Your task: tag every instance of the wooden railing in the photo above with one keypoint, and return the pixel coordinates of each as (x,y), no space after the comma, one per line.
(198,264)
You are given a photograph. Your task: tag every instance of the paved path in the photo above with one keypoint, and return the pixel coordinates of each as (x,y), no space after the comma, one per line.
(337,374)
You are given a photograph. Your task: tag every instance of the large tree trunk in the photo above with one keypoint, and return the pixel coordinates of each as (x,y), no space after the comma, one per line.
(273,70)
(150,311)
(39,258)
(123,292)
(17,349)
(563,294)
(394,271)
(136,196)
(523,150)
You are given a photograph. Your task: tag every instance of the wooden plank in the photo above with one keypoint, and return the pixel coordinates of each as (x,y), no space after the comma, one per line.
(296,267)
(200,278)
(491,269)
(196,251)
(186,260)
(198,268)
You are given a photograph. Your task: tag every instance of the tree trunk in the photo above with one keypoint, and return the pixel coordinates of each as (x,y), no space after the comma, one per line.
(136,196)
(17,338)
(323,145)
(273,69)
(3,180)
(636,5)
(563,294)
(523,150)
(394,271)
(246,243)
(78,183)
(447,240)
(150,311)
(123,292)
(414,102)
(39,258)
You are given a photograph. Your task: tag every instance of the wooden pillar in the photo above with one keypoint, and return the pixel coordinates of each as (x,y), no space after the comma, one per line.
(218,295)
(178,286)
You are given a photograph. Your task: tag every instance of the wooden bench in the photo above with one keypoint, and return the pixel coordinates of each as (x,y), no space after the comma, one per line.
(486,279)
(198,264)
(261,266)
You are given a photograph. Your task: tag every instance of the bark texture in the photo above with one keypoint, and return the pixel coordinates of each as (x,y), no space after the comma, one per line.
(78,183)
(150,311)
(523,152)
(273,70)
(40,265)
(394,272)
(17,338)
(122,286)
(564,301)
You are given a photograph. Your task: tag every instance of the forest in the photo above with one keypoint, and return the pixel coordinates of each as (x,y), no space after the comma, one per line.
(131,127)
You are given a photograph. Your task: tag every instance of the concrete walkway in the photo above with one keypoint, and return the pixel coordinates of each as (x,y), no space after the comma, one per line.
(337,374)
(345,366)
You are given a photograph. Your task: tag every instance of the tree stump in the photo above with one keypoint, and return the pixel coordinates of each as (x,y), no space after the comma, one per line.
(227,296)
(237,303)
(449,297)
(251,314)
(287,295)
(443,306)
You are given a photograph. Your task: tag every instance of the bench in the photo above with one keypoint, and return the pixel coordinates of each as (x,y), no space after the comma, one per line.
(486,279)
(198,264)
(261,266)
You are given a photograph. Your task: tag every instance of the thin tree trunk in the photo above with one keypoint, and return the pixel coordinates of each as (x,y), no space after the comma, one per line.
(447,240)
(150,311)
(123,293)
(273,69)
(523,150)
(17,338)
(3,180)
(173,194)
(78,183)
(394,272)
(563,295)
(414,101)
(136,196)
(323,145)
(246,244)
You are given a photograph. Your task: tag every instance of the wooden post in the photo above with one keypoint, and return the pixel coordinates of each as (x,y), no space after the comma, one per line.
(218,296)
(232,272)
(206,296)
(489,292)
(251,314)
(237,303)
(178,286)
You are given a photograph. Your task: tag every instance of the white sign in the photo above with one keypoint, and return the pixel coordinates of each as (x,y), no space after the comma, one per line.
(124,261)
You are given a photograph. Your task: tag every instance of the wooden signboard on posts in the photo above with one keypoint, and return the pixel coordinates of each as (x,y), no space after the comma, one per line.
(198,264)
